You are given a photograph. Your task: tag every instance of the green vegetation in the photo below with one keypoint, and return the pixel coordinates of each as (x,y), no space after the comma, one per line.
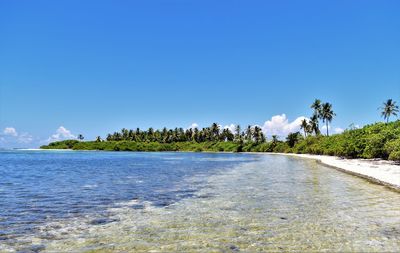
(67,144)
(379,140)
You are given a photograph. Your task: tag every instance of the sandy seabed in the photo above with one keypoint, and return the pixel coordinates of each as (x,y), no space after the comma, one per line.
(377,170)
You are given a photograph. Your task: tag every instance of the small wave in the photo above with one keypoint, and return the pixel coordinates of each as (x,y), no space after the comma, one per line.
(90,186)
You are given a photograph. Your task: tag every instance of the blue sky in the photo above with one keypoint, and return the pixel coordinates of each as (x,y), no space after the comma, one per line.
(94,67)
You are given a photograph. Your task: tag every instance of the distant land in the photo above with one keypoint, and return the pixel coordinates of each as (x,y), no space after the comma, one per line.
(379,140)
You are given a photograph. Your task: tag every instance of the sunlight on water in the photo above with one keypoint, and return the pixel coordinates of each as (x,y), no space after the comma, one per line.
(271,203)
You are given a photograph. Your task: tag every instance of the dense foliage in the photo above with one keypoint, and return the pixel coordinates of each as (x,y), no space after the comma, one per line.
(214,133)
(380,140)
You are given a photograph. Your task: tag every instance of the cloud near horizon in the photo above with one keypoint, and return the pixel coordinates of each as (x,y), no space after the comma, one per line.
(336,130)
(10,131)
(61,134)
(25,138)
(193,126)
(231,127)
(11,136)
(279,125)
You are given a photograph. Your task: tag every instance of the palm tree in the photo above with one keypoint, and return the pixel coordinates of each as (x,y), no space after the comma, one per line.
(80,137)
(109,137)
(226,135)
(389,108)
(189,134)
(327,115)
(237,133)
(314,125)
(131,135)
(257,134)
(215,131)
(292,139)
(117,136)
(304,125)
(125,133)
(249,132)
(196,134)
(317,107)
(98,139)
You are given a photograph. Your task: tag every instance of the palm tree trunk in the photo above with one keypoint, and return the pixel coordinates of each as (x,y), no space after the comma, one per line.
(327,130)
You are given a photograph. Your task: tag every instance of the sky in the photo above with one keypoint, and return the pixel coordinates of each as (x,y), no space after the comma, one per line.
(94,67)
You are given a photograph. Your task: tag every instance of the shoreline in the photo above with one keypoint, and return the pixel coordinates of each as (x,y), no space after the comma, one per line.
(378,171)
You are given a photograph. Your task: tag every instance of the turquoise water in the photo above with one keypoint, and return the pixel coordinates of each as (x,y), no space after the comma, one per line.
(113,201)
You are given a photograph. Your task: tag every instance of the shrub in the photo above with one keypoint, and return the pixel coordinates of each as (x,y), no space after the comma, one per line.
(395,155)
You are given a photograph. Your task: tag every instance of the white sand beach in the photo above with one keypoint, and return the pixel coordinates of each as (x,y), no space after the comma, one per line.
(377,170)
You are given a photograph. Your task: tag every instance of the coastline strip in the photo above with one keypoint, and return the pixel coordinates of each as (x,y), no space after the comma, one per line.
(382,172)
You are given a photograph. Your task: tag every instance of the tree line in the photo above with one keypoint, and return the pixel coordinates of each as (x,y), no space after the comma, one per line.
(378,140)
(214,133)
(211,133)
(322,111)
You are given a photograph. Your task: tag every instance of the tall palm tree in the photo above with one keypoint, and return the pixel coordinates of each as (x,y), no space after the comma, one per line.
(257,134)
(314,125)
(249,132)
(317,106)
(150,134)
(327,115)
(109,137)
(238,133)
(125,133)
(389,108)
(304,125)
(215,131)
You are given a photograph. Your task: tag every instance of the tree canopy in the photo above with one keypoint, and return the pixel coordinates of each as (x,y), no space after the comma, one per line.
(211,133)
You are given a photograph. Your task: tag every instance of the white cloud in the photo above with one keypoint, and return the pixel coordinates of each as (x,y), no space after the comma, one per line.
(193,126)
(323,128)
(10,131)
(279,125)
(25,138)
(231,127)
(61,134)
(10,137)
(338,130)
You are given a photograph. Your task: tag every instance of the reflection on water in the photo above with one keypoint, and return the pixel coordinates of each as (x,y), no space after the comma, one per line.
(262,203)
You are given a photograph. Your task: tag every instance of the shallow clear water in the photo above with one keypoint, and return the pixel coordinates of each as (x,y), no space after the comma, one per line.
(111,202)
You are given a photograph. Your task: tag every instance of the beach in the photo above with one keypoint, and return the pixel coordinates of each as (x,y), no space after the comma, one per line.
(376,170)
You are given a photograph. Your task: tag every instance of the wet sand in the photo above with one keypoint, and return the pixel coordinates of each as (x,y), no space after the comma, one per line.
(379,171)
